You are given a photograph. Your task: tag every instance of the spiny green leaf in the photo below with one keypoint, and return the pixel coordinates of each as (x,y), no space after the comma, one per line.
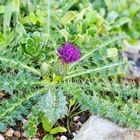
(54,105)
(30,126)
(17,103)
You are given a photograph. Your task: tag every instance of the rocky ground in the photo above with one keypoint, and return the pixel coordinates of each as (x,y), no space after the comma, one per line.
(16,132)
(97,128)
(133,55)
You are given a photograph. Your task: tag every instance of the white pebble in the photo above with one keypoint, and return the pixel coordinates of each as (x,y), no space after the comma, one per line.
(76,132)
(76,118)
(23,134)
(63,138)
(1,137)
(79,124)
(24,121)
(73,133)
(10,132)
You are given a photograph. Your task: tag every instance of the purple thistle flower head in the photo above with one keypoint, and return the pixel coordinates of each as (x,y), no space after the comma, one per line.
(69,53)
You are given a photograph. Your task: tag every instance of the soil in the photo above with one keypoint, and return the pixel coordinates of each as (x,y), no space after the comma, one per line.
(76,123)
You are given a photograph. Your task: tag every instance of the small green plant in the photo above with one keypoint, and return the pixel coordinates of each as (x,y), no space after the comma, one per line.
(48,127)
(121,12)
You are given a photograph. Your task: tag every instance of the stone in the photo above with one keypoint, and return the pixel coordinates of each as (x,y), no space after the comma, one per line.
(74,134)
(63,138)
(15,128)
(14,138)
(23,134)
(1,137)
(33,139)
(58,137)
(24,121)
(76,118)
(133,54)
(79,124)
(17,134)
(83,118)
(97,128)
(10,132)
(69,135)
(1,95)
(134,72)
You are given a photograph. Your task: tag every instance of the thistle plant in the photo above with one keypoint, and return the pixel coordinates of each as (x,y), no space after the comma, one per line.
(30,69)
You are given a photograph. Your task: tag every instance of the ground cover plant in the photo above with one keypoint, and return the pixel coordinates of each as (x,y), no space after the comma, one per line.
(55,56)
(121,12)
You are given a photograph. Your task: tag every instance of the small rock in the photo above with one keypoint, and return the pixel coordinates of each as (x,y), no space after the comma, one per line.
(79,124)
(1,95)
(63,138)
(83,118)
(14,138)
(97,128)
(10,132)
(58,137)
(76,132)
(76,118)
(17,134)
(138,63)
(74,128)
(19,123)
(73,133)
(69,135)
(1,137)
(33,139)
(23,134)
(15,127)
(24,121)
